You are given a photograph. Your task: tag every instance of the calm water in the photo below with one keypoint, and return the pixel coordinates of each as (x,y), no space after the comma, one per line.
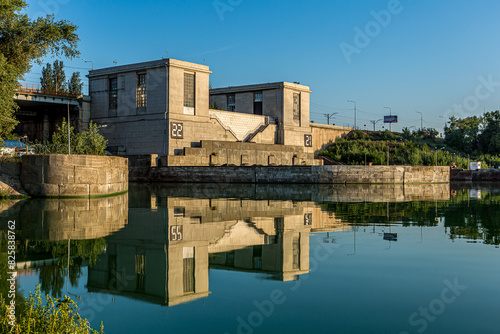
(271,259)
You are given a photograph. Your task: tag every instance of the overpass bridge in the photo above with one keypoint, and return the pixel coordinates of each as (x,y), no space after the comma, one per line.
(40,111)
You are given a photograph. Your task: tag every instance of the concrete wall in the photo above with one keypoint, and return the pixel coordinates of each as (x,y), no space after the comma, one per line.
(10,182)
(323,135)
(73,175)
(487,175)
(217,153)
(304,174)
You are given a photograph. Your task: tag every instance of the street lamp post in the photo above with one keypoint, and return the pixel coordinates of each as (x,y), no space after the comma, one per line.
(390,114)
(354,112)
(89,61)
(421,120)
(444,121)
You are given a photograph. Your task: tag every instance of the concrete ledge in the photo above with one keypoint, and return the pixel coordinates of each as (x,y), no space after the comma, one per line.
(303,174)
(59,175)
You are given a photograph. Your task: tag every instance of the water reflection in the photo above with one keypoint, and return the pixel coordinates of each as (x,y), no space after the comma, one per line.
(159,242)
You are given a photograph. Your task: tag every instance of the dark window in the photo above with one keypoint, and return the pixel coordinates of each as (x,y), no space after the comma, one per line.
(296,107)
(141,95)
(296,251)
(231,102)
(113,93)
(140,272)
(189,90)
(257,103)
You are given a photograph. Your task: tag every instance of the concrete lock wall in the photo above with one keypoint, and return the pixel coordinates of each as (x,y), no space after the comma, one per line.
(58,175)
(303,174)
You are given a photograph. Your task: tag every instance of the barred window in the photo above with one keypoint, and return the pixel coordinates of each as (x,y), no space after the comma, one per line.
(189,90)
(141,95)
(296,107)
(231,102)
(113,93)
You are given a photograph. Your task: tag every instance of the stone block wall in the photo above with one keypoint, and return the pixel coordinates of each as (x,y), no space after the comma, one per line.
(61,175)
(218,153)
(303,174)
(323,135)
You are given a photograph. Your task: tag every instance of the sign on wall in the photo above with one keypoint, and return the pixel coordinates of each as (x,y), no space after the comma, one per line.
(308,140)
(176,130)
(390,119)
(176,233)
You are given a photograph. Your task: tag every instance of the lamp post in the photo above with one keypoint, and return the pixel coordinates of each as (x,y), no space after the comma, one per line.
(444,121)
(375,122)
(89,61)
(421,120)
(354,112)
(390,114)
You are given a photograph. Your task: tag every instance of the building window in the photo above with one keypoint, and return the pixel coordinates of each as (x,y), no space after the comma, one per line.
(296,107)
(140,272)
(189,93)
(188,269)
(257,103)
(231,102)
(113,93)
(141,95)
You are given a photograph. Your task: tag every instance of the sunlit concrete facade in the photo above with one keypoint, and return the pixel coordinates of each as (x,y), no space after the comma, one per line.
(163,107)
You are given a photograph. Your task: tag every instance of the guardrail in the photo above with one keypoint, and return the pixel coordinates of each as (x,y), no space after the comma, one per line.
(29,88)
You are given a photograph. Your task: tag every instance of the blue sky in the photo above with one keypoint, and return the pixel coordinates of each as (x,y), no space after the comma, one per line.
(438,58)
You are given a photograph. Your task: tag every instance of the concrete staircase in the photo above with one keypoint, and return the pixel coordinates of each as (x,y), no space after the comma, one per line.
(242,126)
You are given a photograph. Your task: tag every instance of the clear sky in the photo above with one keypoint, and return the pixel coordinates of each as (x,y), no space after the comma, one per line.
(440,58)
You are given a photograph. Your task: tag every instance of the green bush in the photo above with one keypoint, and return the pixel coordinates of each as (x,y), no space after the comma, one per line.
(89,142)
(48,316)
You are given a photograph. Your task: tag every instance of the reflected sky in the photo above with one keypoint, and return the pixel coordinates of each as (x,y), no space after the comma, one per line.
(262,259)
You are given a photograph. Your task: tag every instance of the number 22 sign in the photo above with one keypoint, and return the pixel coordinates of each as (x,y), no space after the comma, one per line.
(176,130)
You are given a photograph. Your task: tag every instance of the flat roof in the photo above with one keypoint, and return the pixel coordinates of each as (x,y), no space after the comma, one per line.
(264,86)
(147,65)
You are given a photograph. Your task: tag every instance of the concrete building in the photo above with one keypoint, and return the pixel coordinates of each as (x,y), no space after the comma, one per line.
(162,107)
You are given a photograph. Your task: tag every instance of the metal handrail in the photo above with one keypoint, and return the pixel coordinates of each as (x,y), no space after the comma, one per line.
(30,88)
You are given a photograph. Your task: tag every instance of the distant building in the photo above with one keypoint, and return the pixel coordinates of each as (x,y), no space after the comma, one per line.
(162,107)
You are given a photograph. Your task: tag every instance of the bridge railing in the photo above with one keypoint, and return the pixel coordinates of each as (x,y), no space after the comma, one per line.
(30,88)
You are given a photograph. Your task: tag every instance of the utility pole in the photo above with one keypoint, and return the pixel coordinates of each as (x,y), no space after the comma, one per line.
(328,117)
(421,120)
(354,112)
(390,114)
(444,122)
(375,122)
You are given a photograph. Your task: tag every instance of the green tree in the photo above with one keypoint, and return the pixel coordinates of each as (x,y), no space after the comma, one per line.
(47,78)
(489,139)
(22,42)
(75,84)
(463,134)
(53,77)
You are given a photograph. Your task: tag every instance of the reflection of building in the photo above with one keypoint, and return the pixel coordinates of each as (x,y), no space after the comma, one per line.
(165,252)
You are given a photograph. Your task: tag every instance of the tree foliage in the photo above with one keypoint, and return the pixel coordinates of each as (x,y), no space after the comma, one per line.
(53,77)
(22,42)
(75,84)
(89,142)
